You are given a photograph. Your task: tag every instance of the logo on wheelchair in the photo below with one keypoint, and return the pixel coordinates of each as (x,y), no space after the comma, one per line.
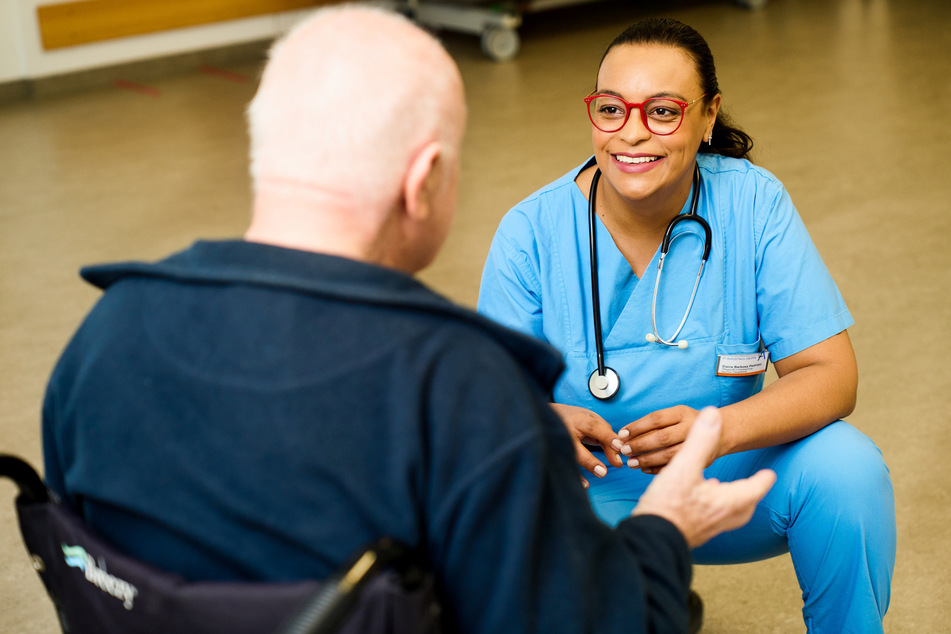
(77,557)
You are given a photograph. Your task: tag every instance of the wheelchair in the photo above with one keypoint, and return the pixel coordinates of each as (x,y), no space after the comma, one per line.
(97,589)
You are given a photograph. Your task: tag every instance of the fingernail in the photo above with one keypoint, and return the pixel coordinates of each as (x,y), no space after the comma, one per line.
(632,463)
(624,433)
(626,450)
(616,444)
(600,471)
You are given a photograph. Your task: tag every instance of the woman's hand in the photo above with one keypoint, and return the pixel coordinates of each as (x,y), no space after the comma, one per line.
(586,427)
(650,442)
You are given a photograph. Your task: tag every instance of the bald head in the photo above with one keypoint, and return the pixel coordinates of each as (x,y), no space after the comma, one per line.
(346,101)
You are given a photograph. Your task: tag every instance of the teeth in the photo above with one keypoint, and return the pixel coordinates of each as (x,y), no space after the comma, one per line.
(634,160)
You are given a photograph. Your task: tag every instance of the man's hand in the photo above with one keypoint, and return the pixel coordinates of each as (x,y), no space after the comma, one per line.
(702,509)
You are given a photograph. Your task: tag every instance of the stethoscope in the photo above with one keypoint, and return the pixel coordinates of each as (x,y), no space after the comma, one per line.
(604,381)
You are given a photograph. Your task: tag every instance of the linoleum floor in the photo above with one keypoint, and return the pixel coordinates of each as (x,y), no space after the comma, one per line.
(849,103)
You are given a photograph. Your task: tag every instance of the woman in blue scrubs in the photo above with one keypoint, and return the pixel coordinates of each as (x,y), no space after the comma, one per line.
(764,294)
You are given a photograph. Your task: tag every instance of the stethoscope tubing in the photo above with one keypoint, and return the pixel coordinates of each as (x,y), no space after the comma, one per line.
(595,286)
(604,382)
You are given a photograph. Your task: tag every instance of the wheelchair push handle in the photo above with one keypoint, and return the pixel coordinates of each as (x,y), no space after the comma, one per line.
(32,489)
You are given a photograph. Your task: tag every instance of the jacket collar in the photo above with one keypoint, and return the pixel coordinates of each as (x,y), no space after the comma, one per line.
(307,273)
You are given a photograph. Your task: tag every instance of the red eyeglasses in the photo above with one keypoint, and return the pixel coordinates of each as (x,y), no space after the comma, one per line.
(661,116)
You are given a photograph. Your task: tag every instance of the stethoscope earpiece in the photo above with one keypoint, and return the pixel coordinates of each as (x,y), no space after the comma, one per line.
(605,382)
(652,338)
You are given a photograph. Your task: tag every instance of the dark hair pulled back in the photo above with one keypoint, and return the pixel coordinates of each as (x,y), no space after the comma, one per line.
(728,140)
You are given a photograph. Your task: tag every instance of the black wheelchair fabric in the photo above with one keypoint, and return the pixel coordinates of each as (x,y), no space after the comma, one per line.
(97,589)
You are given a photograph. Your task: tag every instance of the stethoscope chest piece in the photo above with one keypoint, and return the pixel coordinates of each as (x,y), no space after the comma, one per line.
(604,386)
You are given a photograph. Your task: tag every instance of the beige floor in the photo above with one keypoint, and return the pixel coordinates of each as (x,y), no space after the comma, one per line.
(849,101)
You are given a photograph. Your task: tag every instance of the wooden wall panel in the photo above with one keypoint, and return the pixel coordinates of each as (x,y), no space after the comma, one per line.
(81,22)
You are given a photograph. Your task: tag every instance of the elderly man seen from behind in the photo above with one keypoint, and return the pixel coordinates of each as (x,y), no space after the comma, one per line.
(262,408)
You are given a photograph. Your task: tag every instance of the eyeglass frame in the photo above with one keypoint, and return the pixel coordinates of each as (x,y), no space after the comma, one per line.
(640,106)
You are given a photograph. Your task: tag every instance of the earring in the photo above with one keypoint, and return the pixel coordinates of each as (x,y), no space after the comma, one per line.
(710,139)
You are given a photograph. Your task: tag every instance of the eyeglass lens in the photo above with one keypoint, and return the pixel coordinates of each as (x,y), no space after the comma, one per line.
(661,116)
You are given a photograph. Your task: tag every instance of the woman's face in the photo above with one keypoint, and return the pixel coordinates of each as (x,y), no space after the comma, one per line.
(635,163)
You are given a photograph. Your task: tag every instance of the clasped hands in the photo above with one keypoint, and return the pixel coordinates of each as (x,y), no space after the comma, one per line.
(648,443)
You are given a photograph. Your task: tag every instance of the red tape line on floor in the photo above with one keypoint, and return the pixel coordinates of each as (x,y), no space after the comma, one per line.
(125,84)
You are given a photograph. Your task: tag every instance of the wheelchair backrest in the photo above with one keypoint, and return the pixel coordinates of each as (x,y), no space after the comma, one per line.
(98,589)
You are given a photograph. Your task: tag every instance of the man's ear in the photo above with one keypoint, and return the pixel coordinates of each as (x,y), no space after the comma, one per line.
(420,181)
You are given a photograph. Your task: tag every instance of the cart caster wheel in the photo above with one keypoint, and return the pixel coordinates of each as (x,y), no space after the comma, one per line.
(500,44)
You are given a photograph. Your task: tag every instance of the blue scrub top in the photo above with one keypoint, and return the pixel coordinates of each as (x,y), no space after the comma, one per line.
(764,287)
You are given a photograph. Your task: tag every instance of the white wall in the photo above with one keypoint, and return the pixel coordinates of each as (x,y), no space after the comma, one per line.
(22,55)
(12,61)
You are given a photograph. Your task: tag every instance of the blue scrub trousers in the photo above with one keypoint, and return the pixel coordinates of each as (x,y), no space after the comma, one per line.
(832,508)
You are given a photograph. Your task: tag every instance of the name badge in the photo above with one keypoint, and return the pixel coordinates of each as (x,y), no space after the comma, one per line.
(742,364)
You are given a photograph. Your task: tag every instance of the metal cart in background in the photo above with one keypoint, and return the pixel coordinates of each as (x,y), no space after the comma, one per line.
(495,24)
